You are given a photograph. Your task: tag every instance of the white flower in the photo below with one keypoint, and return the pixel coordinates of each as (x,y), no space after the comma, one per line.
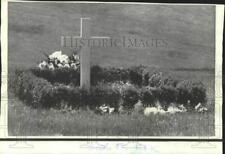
(181,107)
(203,109)
(158,110)
(106,109)
(111,110)
(198,106)
(73,65)
(55,54)
(103,108)
(67,65)
(76,57)
(43,65)
(64,59)
(150,110)
(51,66)
(173,110)
(60,65)
(60,61)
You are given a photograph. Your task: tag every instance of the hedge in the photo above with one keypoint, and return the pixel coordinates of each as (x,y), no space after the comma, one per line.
(130,96)
(38,92)
(148,98)
(64,76)
(33,90)
(42,89)
(190,93)
(135,75)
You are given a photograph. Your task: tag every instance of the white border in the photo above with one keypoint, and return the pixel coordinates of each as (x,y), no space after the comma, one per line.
(218,77)
(67,147)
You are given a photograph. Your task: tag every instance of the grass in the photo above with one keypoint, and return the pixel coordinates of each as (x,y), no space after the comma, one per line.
(37,28)
(26,121)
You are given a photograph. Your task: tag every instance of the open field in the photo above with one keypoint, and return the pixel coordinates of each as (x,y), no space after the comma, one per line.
(35,28)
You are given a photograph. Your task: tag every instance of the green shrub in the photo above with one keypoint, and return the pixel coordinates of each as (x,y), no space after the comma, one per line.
(155,80)
(169,81)
(65,75)
(133,75)
(97,74)
(112,95)
(191,93)
(198,93)
(32,90)
(130,96)
(147,97)
(159,79)
(97,94)
(115,74)
(38,92)
(104,94)
(67,95)
(136,75)
(46,88)
(164,94)
(15,81)
(168,95)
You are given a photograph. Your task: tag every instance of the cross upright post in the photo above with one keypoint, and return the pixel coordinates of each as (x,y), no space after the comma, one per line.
(85,55)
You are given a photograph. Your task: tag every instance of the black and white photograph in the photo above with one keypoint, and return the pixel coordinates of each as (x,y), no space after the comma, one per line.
(85,69)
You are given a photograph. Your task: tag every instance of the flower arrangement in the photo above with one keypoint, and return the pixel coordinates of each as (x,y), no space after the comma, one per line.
(59,60)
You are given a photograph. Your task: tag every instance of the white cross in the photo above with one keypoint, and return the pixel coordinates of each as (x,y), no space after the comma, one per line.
(85,53)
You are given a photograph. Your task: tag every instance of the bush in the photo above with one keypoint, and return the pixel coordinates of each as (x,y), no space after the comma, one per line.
(104,94)
(97,74)
(115,74)
(66,95)
(38,92)
(15,81)
(130,96)
(64,76)
(147,97)
(97,95)
(168,95)
(170,81)
(198,93)
(191,93)
(156,80)
(33,90)
(47,88)
(136,75)
(112,97)
(159,79)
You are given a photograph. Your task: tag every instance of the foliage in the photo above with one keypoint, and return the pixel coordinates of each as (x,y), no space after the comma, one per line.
(155,80)
(54,88)
(191,93)
(130,96)
(168,95)
(64,76)
(33,90)
(147,97)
